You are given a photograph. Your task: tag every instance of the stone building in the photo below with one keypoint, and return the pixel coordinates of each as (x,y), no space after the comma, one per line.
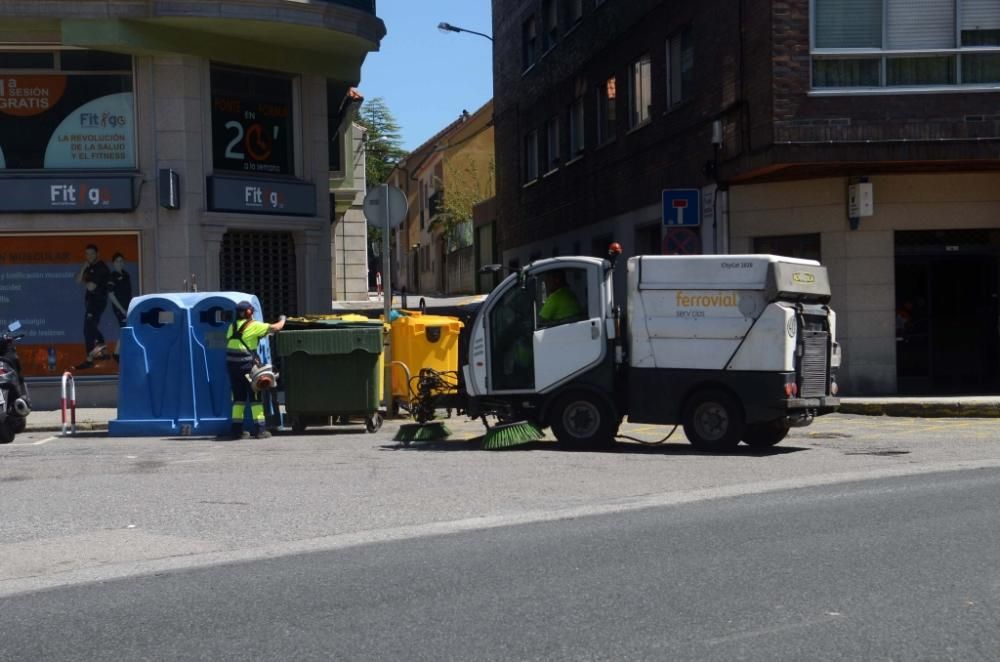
(194,139)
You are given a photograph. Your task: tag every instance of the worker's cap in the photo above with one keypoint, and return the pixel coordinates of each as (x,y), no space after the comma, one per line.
(242,307)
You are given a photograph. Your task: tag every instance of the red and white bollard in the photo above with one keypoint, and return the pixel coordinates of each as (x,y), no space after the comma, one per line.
(378,283)
(68,387)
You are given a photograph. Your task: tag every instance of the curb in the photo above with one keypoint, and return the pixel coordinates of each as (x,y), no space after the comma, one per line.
(86,426)
(922,410)
(895,409)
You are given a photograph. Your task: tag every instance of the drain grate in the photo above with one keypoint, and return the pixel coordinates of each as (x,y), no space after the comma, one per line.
(881,453)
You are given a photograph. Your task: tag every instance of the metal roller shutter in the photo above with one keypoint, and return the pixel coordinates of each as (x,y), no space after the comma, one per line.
(261,263)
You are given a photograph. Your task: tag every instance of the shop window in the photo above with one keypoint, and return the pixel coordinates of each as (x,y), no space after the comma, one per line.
(66,110)
(252,122)
(27,60)
(51,302)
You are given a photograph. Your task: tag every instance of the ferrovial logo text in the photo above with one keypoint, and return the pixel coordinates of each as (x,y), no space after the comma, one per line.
(714,300)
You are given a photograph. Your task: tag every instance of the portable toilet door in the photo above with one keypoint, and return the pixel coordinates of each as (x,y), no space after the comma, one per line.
(154,384)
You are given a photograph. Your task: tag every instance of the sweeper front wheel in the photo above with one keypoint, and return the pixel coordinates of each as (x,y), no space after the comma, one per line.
(583,421)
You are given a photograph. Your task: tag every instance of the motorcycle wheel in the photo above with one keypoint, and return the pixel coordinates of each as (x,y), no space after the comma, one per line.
(6,432)
(19,425)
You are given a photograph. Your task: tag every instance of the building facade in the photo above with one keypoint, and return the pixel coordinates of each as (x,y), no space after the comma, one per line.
(444,179)
(190,140)
(863,134)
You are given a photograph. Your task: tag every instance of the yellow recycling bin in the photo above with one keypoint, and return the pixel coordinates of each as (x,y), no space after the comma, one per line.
(422,341)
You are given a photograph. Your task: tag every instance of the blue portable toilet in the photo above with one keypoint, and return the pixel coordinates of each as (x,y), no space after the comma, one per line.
(172,378)
(212,315)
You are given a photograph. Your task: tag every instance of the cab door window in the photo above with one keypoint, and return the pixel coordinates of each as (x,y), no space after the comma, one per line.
(511,325)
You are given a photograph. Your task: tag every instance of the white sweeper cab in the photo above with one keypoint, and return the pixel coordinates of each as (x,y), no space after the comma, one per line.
(732,347)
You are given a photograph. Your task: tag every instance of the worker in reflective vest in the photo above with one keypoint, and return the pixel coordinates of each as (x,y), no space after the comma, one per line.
(241,355)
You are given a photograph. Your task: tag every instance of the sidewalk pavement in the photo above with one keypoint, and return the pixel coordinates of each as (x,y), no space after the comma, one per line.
(986,406)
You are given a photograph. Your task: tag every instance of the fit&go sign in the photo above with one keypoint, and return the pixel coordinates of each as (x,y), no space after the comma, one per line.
(253,195)
(44,194)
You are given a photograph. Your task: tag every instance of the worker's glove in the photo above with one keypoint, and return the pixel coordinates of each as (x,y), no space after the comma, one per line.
(282,318)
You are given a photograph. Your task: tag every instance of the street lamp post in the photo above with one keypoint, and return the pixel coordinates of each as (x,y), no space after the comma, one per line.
(448,27)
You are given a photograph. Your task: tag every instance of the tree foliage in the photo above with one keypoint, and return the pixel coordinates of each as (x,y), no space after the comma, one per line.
(384,147)
(466,184)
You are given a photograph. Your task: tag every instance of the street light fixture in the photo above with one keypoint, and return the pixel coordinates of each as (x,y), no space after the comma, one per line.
(448,27)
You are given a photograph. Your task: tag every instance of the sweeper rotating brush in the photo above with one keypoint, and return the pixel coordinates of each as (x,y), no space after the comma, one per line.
(509,435)
(432,431)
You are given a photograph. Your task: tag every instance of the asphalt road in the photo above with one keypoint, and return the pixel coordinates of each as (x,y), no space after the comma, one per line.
(884,569)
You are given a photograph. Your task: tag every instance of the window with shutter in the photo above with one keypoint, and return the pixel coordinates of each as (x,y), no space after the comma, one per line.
(980,23)
(920,24)
(893,44)
(847,23)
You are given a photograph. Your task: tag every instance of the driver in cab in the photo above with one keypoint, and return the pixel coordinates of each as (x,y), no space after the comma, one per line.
(561,304)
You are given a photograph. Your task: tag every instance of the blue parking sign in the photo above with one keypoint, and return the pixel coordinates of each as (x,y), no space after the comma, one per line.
(681,207)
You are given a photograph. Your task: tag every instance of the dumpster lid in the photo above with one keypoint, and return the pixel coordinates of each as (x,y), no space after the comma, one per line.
(420,319)
(306,322)
(329,341)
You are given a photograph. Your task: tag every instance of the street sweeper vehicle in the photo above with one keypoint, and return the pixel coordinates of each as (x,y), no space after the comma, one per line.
(732,347)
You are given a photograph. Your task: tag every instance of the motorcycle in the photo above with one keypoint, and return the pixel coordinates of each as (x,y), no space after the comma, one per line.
(15,403)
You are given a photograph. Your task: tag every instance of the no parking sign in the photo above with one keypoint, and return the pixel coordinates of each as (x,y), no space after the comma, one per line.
(681,241)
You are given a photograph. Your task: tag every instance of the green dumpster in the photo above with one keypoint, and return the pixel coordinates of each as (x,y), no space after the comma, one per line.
(332,369)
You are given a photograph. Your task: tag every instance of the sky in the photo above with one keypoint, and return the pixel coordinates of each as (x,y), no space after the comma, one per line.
(428,77)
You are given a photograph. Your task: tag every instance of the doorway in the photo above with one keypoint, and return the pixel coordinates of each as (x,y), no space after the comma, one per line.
(947,315)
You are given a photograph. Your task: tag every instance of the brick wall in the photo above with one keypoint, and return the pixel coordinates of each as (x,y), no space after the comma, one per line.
(752,72)
(631,171)
(799,117)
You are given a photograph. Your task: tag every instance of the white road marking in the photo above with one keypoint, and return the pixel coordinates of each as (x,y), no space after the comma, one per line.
(43,441)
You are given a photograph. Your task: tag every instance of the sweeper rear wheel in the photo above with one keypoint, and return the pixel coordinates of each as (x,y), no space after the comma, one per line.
(765,435)
(582,420)
(713,421)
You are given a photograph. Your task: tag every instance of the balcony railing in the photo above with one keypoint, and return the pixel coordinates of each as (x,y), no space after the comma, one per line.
(363,5)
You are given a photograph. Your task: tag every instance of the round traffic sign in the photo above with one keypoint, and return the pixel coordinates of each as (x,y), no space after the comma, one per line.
(384,205)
